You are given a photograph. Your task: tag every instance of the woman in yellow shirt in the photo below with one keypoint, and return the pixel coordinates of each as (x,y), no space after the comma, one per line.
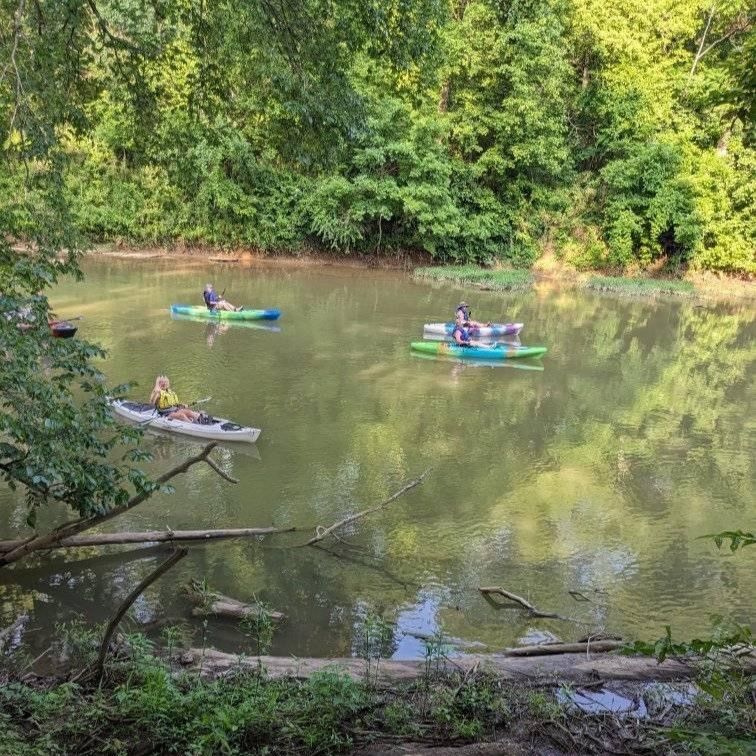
(167,403)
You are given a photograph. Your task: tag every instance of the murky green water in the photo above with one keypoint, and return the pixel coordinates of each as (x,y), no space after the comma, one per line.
(595,475)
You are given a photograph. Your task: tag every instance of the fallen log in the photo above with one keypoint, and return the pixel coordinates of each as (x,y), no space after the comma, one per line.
(573,668)
(208,603)
(74,527)
(154,536)
(545,649)
(513,597)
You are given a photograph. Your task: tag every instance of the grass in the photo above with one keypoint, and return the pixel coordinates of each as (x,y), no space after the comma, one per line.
(496,280)
(641,286)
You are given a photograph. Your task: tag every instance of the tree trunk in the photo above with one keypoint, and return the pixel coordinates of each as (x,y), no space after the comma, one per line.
(154,536)
(575,668)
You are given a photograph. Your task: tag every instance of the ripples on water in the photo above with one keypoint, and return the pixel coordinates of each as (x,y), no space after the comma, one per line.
(594,475)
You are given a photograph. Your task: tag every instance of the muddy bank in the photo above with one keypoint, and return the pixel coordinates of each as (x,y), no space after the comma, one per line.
(546,272)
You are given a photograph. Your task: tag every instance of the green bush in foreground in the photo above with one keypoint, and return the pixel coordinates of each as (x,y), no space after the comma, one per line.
(499,280)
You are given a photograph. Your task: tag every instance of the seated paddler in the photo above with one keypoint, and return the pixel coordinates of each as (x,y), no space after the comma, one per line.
(166,402)
(464,308)
(461,334)
(215,301)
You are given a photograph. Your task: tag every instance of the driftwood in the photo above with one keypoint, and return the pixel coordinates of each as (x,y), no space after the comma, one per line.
(74,527)
(213,604)
(546,649)
(177,555)
(573,668)
(154,536)
(321,532)
(487,591)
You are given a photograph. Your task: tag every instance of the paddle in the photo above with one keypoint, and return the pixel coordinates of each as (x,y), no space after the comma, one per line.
(152,417)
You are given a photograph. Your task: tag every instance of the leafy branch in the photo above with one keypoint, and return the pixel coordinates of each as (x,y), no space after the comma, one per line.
(738,539)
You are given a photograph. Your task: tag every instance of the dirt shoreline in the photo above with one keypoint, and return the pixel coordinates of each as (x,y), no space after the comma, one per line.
(547,272)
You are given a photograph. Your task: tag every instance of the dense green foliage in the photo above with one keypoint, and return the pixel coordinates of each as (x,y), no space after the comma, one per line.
(476,131)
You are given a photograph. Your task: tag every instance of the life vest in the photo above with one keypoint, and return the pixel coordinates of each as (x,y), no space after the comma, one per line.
(211,298)
(464,334)
(167,398)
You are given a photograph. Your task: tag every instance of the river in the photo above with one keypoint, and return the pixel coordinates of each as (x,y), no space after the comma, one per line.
(582,483)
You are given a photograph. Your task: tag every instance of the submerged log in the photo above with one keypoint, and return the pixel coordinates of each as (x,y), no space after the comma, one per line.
(208,603)
(574,668)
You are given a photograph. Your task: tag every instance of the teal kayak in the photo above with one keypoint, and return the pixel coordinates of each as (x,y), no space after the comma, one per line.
(493,352)
(203,312)
(256,325)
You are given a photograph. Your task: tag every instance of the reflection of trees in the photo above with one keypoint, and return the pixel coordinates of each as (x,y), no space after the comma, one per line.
(597,473)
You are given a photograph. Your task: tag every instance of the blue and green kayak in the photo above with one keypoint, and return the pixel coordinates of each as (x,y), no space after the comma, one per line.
(203,312)
(492,352)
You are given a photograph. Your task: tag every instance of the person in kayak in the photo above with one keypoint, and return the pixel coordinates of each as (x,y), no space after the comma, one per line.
(464,308)
(460,334)
(216,302)
(167,403)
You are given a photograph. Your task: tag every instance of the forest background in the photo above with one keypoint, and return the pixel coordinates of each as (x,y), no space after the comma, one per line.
(609,134)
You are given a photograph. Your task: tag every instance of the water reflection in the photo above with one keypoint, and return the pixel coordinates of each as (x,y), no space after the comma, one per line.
(594,477)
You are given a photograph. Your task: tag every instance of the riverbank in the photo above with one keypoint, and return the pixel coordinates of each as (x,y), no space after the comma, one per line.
(693,285)
(203,701)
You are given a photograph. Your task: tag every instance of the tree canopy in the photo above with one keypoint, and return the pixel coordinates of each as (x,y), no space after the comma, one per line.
(615,135)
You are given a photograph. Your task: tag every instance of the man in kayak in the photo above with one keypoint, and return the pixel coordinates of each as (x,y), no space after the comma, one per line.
(215,302)
(460,334)
(167,403)
(464,308)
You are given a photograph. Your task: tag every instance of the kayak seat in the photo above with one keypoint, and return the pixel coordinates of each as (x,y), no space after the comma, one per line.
(137,406)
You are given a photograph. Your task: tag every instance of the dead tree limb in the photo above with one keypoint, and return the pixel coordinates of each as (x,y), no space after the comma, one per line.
(544,649)
(75,527)
(154,536)
(532,611)
(177,556)
(217,605)
(321,532)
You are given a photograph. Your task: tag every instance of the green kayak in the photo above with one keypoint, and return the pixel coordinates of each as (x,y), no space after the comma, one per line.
(203,312)
(493,352)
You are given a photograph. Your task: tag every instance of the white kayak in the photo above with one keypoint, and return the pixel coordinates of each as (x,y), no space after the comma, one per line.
(219,430)
(495,329)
